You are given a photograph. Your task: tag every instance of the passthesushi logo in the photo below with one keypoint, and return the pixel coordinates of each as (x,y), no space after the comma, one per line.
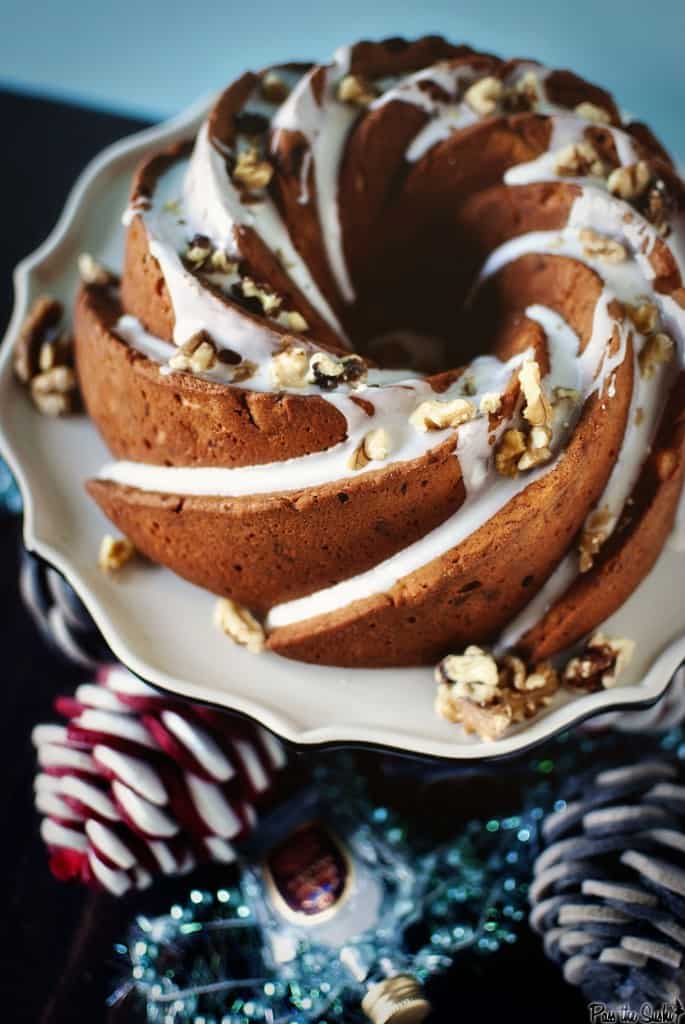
(665,1013)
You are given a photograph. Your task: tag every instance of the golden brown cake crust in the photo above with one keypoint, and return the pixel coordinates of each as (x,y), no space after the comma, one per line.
(182,420)
(265,549)
(630,553)
(468,594)
(415,231)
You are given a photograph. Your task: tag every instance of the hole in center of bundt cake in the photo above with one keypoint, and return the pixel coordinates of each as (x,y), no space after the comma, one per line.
(412,306)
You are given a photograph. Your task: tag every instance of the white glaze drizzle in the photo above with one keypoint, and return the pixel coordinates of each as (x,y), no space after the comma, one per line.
(445,117)
(212,207)
(325,126)
(627,282)
(393,404)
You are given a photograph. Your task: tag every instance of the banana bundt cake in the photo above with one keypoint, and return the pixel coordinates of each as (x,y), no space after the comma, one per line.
(395,362)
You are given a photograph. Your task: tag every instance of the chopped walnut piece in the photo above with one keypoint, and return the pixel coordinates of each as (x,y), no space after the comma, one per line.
(243,371)
(487,696)
(630,181)
(601,247)
(58,351)
(490,403)
(523,95)
(473,674)
(537,449)
(543,675)
(484,95)
(328,371)
(489,723)
(666,462)
(512,672)
(251,171)
(439,415)
(41,322)
(645,316)
(510,449)
(591,112)
(520,450)
(269,301)
(95,274)
(196,355)
(657,349)
(198,251)
(561,394)
(537,410)
(375,447)
(114,553)
(54,392)
(240,624)
(657,204)
(596,530)
(296,322)
(468,384)
(579,159)
(220,262)
(356,90)
(273,88)
(599,664)
(290,367)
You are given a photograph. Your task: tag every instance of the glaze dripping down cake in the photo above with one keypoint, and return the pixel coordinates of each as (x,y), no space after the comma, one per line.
(396,359)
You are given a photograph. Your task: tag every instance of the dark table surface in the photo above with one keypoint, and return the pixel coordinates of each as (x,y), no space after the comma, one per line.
(58,964)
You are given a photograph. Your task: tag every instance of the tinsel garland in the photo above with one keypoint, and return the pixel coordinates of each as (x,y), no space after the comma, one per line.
(209,959)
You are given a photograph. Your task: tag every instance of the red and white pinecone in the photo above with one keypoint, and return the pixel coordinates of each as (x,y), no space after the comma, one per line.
(139,783)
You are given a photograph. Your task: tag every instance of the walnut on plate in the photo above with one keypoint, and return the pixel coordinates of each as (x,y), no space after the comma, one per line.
(486,695)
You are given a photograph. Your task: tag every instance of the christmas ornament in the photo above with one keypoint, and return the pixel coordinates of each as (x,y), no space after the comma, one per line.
(60,614)
(242,954)
(137,783)
(342,909)
(609,890)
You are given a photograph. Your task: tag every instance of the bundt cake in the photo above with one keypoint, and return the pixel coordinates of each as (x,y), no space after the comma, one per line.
(276,372)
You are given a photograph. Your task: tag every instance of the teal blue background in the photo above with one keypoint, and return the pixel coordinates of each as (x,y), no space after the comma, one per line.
(153,57)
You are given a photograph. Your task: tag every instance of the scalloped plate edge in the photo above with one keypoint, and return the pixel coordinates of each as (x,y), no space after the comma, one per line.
(556,720)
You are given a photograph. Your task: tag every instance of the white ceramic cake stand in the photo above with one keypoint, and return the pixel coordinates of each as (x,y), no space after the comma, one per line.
(160,626)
